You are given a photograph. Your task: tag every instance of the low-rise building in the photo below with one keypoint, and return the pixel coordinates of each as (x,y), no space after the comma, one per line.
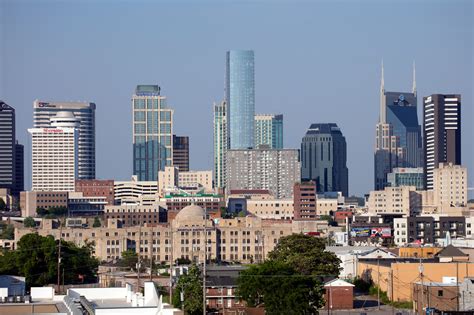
(339,295)
(32,200)
(245,240)
(132,215)
(135,191)
(404,200)
(276,209)
(428,229)
(97,188)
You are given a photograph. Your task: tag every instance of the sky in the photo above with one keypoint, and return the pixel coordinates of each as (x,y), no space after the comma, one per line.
(315,62)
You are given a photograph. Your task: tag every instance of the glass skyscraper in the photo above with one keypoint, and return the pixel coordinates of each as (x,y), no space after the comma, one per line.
(398,134)
(240,98)
(324,158)
(269,130)
(152,133)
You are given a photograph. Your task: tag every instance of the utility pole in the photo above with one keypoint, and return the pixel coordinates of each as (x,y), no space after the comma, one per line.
(457,285)
(151,255)
(59,255)
(378,283)
(138,262)
(421,269)
(391,291)
(204,265)
(171,261)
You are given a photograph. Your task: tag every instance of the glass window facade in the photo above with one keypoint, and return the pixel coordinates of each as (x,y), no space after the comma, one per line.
(240,98)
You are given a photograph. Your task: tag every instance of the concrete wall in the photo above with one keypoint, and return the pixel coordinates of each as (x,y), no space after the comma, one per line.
(42,293)
(98,293)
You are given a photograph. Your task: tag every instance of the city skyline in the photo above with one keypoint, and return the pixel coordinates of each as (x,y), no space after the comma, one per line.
(301,104)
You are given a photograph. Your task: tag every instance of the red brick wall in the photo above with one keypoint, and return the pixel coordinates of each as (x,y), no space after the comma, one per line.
(341,298)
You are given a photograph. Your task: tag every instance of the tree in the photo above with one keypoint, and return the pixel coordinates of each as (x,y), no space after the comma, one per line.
(96,223)
(29,222)
(7,231)
(36,259)
(191,286)
(290,281)
(3,205)
(129,259)
(280,288)
(306,254)
(241,214)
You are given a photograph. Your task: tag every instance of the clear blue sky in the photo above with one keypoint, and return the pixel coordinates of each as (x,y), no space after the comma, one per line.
(315,62)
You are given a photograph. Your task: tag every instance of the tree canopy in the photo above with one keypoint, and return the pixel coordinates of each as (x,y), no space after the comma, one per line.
(290,280)
(36,259)
(96,223)
(191,286)
(306,254)
(29,222)
(7,231)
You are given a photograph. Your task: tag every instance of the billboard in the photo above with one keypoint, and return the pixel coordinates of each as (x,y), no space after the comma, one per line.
(371,232)
(360,232)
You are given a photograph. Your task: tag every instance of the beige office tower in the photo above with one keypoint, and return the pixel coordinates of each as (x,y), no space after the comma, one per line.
(450,185)
(55,154)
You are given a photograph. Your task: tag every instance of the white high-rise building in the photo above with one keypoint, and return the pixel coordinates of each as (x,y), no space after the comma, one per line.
(450,185)
(276,170)
(55,154)
(85,114)
(221,144)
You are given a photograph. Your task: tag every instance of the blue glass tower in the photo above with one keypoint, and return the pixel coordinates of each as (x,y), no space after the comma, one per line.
(240,97)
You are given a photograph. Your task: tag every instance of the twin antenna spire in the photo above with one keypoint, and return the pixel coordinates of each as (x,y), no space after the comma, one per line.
(382,92)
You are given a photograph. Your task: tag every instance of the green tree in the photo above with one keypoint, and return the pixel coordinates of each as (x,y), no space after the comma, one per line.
(7,231)
(129,259)
(306,254)
(29,222)
(290,281)
(36,259)
(41,211)
(280,288)
(241,214)
(191,286)
(96,223)
(3,205)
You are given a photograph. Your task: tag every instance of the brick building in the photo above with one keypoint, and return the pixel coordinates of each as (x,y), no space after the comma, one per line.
(31,200)
(97,188)
(339,295)
(304,200)
(131,215)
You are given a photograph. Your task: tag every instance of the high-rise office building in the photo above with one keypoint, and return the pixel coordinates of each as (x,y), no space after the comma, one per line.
(7,146)
(276,170)
(398,134)
(324,158)
(442,132)
(304,201)
(181,153)
(152,132)
(221,143)
(19,169)
(55,154)
(240,98)
(85,113)
(269,130)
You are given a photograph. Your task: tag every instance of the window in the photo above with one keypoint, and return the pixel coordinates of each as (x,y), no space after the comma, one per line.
(440,292)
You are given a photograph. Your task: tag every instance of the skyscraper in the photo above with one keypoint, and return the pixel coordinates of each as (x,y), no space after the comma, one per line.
(324,157)
(152,132)
(7,146)
(269,130)
(19,169)
(442,132)
(85,113)
(55,154)
(221,143)
(240,98)
(398,134)
(181,153)
(276,170)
